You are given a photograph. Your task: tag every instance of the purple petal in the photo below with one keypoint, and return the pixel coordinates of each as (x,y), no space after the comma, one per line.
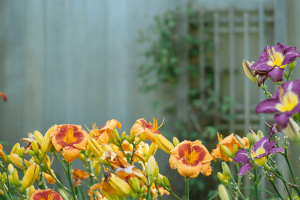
(261,65)
(261,155)
(241,157)
(243,169)
(276,74)
(267,106)
(290,55)
(260,143)
(274,150)
(282,119)
(279,48)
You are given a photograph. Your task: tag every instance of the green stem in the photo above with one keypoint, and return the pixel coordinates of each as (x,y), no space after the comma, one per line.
(186,179)
(59,183)
(239,177)
(159,195)
(60,161)
(255,184)
(7,195)
(262,86)
(126,155)
(287,189)
(69,175)
(275,187)
(91,173)
(171,192)
(42,183)
(292,170)
(149,191)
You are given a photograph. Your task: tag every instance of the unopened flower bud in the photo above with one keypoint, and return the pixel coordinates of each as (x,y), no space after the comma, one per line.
(10,168)
(4,177)
(119,184)
(123,135)
(94,149)
(152,150)
(116,135)
(223,192)
(250,139)
(13,150)
(155,173)
(39,137)
(151,166)
(30,191)
(255,138)
(30,152)
(226,150)
(293,131)
(292,66)
(14,178)
(175,141)
(220,176)
(260,134)
(163,143)
(30,176)
(166,182)
(142,136)
(35,147)
(249,73)
(16,160)
(81,157)
(127,138)
(143,189)
(226,169)
(235,149)
(135,184)
(132,135)
(47,144)
(240,141)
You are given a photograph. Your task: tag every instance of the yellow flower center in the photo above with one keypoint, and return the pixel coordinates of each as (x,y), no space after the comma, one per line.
(259,151)
(275,58)
(69,137)
(191,157)
(288,101)
(154,128)
(50,195)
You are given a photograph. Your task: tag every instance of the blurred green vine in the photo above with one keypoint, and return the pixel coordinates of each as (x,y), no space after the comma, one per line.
(161,68)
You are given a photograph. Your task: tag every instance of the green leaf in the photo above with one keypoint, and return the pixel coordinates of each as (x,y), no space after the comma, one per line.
(81,193)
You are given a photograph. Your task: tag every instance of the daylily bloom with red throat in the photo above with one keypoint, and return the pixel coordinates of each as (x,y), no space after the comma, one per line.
(103,135)
(3,96)
(71,139)
(285,102)
(229,142)
(46,194)
(191,158)
(262,149)
(149,129)
(273,61)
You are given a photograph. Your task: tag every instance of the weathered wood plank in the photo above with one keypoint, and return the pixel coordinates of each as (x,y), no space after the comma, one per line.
(232,49)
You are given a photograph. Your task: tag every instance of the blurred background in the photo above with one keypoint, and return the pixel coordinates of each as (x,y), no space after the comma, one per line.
(80,62)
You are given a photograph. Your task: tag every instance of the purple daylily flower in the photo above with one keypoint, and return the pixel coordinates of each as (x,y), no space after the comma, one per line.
(273,61)
(285,102)
(260,152)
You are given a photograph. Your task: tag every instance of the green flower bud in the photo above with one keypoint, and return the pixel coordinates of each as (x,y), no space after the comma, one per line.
(166,182)
(35,147)
(260,134)
(220,176)
(175,141)
(226,150)
(123,135)
(223,192)
(226,169)
(240,141)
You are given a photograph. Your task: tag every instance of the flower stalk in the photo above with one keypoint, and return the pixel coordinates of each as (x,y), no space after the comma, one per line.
(186,179)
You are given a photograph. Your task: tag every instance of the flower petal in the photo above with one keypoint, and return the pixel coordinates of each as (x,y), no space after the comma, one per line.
(173,161)
(282,119)
(186,169)
(206,169)
(243,169)
(274,150)
(267,106)
(276,74)
(290,55)
(241,157)
(70,153)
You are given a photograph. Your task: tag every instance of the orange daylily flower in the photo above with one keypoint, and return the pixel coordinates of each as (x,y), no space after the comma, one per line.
(191,158)
(103,134)
(3,96)
(79,175)
(46,194)
(48,177)
(229,142)
(149,129)
(71,139)
(154,191)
